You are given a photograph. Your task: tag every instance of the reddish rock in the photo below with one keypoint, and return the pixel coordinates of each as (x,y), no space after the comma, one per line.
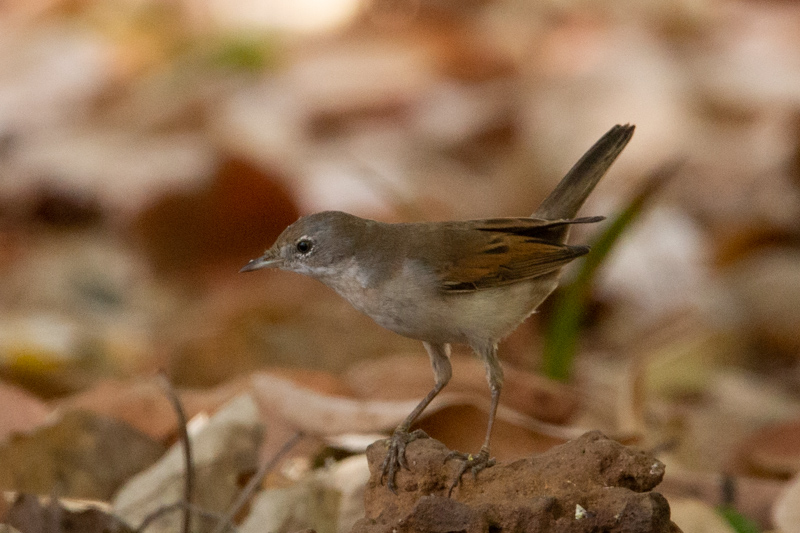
(589,484)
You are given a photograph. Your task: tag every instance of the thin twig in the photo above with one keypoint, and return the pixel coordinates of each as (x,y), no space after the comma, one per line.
(158,513)
(254,483)
(188,487)
(161,511)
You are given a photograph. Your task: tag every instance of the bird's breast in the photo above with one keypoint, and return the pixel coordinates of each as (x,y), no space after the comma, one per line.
(410,303)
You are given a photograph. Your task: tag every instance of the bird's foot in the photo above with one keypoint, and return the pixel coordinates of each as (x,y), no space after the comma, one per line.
(396,455)
(474,463)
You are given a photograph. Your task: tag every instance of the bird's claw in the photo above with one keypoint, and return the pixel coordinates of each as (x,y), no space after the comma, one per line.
(474,463)
(396,455)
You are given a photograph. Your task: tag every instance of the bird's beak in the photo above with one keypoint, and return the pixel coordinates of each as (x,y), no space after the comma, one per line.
(268,260)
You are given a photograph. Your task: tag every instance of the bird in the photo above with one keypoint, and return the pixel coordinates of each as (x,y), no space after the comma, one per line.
(455,282)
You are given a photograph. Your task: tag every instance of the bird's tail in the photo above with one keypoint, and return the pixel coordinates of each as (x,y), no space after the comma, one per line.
(569,195)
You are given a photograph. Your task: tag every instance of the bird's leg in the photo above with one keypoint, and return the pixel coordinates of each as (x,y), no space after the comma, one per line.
(396,456)
(476,463)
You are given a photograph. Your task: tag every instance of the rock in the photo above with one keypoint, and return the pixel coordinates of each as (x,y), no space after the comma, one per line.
(589,484)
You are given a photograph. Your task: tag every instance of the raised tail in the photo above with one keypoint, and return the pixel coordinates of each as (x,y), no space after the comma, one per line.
(569,195)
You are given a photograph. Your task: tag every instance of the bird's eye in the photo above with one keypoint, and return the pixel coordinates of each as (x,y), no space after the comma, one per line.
(303,246)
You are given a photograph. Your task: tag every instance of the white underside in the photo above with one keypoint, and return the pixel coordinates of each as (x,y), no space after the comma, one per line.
(475,318)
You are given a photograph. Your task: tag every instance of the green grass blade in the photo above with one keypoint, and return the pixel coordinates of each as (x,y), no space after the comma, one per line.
(735,519)
(561,336)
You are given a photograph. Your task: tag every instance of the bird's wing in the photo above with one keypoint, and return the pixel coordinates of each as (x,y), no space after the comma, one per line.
(508,255)
(531,227)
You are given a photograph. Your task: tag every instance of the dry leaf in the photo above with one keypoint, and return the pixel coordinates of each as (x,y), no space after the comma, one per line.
(694,516)
(786,511)
(225,449)
(772,450)
(22,410)
(765,290)
(81,455)
(32,514)
(410,376)
(323,415)
(320,414)
(223,224)
(143,404)
(753,497)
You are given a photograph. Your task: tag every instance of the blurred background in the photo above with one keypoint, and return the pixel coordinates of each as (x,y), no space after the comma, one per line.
(149,148)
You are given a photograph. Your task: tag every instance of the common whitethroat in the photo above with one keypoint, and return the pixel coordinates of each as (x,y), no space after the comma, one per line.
(470,282)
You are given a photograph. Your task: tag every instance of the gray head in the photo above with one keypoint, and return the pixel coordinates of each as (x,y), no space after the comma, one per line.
(313,244)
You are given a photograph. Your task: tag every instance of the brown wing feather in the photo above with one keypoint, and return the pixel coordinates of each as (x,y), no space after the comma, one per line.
(532,227)
(506,259)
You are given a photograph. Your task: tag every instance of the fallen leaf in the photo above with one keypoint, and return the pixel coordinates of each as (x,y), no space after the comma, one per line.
(224,451)
(694,516)
(323,415)
(32,514)
(320,414)
(225,223)
(463,427)
(408,376)
(764,291)
(786,511)
(772,450)
(82,455)
(23,411)
(753,497)
(307,504)
(143,404)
